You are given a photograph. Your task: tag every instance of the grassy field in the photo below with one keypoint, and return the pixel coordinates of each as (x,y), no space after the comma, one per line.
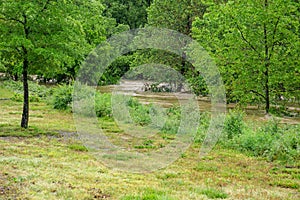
(48,162)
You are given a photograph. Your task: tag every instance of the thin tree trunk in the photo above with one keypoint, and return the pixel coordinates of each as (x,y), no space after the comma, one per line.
(25,114)
(267,89)
(267,64)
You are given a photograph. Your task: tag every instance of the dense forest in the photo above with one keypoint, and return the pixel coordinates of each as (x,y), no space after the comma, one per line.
(254,43)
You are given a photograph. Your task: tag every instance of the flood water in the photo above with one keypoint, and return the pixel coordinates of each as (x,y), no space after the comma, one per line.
(135,89)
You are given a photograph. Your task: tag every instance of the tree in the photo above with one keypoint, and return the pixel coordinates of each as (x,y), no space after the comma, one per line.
(256,45)
(178,15)
(129,12)
(47,35)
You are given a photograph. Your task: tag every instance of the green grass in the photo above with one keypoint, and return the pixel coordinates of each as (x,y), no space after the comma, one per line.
(5,93)
(56,168)
(213,193)
(40,163)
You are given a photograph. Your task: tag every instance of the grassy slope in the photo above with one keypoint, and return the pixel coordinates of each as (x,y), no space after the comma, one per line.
(53,167)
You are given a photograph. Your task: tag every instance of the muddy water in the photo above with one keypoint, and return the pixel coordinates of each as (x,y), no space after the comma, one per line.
(135,88)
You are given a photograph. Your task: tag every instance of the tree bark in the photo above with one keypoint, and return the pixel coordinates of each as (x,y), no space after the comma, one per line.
(267,64)
(25,114)
(267,89)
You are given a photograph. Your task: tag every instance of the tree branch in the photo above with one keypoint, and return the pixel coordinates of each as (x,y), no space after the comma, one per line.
(273,38)
(244,38)
(259,94)
(13,19)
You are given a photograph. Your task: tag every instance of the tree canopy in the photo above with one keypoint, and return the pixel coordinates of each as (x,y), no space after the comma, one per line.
(48,37)
(256,45)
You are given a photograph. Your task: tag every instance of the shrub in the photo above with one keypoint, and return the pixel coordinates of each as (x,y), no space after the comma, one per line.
(20,97)
(103,106)
(254,143)
(172,122)
(272,141)
(286,147)
(62,97)
(203,127)
(234,124)
(34,88)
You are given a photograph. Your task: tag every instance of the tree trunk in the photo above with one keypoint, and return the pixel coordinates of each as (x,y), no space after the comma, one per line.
(267,64)
(25,114)
(267,89)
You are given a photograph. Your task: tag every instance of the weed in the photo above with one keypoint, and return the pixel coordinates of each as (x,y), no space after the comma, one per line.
(214,193)
(77,147)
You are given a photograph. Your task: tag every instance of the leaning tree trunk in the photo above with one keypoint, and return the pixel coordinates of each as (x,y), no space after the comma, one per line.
(25,114)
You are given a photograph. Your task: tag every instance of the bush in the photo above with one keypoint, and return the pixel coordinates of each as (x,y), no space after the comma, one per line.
(172,122)
(254,143)
(103,105)
(139,113)
(62,97)
(203,127)
(20,97)
(287,145)
(271,141)
(234,124)
(35,89)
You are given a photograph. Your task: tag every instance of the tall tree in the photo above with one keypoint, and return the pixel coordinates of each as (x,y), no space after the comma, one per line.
(46,35)
(256,45)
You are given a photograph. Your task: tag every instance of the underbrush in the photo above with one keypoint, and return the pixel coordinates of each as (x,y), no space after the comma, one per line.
(272,140)
(36,92)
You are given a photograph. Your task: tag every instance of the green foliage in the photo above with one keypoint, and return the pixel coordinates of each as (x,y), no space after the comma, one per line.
(176,15)
(234,124)
(173,120)
(256,46)
(254,143)
(103,106)
(203,127)
(214,193)
(271,141)
(48,38)
(19,98)
(139,112)
(287,145)
(130,12)
(8,130)
(77,147)
(35,90)
(116,70)
(62,97)
(198,85)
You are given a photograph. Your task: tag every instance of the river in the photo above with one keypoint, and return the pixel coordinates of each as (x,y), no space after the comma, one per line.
(135,89)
